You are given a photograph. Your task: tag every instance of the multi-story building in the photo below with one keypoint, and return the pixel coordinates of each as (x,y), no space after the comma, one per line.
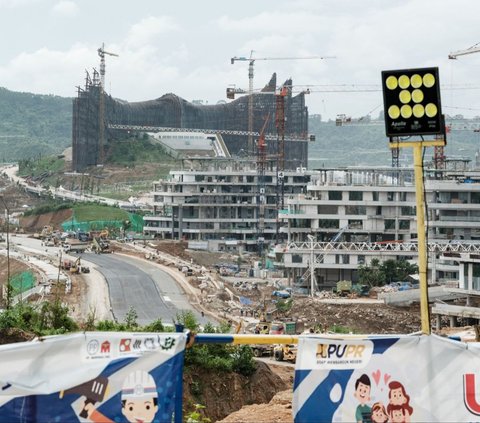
(222,204)
(347,217)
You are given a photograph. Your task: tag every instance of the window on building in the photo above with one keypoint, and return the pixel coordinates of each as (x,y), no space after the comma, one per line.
(403,196)
(361,259)
(407,211)
(296,258)
(355,195)
(353,210)
(475,197)
(327,209)
(389,224)
(390,196)
(355,224)
(328,223)
(375,196)
(404,224)
(334,195)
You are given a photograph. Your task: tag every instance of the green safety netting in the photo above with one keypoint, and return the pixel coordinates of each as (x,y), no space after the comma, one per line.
(22,282)
(136,224)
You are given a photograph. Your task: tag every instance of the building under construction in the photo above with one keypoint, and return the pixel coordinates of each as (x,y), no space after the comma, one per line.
(95,114)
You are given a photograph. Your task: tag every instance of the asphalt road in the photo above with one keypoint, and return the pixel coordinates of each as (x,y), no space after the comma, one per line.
(153,293)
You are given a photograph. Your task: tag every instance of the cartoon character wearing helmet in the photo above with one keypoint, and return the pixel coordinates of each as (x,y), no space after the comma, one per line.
(139,397)
(139,400)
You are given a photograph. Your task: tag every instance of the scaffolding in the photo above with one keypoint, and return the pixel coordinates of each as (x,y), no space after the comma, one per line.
(172,111)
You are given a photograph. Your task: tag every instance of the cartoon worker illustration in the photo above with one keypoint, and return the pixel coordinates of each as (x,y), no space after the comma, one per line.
(362,394)
(139,399)
(399,402)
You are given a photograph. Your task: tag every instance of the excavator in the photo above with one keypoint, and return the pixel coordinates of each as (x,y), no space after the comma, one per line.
(77,267)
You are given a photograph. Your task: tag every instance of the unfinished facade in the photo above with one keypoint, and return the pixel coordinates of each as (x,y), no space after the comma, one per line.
(94,112)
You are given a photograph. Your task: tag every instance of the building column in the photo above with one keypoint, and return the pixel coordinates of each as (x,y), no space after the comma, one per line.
(461,276)
(470,276)
(180,223)
(453,321)
(438,320)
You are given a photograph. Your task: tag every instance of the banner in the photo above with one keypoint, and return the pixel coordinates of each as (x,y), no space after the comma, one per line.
(386,379)
(93,377)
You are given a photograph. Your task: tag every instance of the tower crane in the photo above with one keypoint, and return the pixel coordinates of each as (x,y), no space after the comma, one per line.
(251,61)
(101,103)
(474,49)
(101,52)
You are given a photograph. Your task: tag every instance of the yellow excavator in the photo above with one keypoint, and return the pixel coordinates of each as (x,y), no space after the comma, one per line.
(77,267)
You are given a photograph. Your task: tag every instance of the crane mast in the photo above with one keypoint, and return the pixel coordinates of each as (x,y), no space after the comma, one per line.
(101,101)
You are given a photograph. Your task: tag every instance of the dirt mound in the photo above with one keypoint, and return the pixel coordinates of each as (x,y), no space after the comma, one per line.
(54,219)
(225,393)
(361,318)
(279,409)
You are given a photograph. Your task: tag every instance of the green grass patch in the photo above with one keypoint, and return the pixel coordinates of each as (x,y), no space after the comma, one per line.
(37,167)
(341,329)
(88,212)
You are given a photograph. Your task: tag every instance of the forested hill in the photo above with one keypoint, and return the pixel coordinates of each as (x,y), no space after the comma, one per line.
(358,144)
(33,125)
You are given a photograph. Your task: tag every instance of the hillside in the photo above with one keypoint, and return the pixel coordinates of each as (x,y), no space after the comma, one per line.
(33,125)
(367,145)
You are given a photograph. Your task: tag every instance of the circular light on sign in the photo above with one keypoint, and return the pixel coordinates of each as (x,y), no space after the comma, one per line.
(416,81)
(405,96)
(428,80)
(404,82)
(417,96)
(431,110)
(406,111)
(391,82)
(418,110)
(393,112)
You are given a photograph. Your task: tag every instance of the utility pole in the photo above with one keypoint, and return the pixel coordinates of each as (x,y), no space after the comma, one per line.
(7,221)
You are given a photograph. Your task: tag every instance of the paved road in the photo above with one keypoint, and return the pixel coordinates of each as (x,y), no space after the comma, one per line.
(153,293)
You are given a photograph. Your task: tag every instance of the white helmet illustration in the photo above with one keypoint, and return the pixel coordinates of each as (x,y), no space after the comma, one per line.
(139,385)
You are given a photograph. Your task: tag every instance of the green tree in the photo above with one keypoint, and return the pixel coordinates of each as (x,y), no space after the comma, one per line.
(372,275)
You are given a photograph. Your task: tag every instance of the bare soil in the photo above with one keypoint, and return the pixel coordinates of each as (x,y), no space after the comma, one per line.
(36,223)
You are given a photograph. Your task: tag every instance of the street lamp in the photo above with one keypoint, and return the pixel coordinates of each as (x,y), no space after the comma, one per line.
(312,268)
(7,221)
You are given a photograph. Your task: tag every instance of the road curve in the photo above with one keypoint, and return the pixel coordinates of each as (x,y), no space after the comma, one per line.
(153,293)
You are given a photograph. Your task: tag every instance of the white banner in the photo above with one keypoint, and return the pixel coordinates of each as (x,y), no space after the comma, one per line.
(94,376)
(386,379)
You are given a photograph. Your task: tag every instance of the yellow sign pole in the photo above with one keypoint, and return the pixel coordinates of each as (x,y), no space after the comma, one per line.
(422,241)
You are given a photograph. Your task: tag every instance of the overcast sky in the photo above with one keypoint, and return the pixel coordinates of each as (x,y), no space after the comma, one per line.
(185,46)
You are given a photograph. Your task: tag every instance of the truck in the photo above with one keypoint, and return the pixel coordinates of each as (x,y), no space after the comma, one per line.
(344,288)
(75,246)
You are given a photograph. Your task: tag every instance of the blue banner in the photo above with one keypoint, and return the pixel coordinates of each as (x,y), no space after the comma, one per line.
(95,376)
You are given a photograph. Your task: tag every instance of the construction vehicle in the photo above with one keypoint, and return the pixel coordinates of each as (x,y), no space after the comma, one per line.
(45,233)
(77,267)
(344,288)
(75,246)
(100,246)
(285,352)
(272,328)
